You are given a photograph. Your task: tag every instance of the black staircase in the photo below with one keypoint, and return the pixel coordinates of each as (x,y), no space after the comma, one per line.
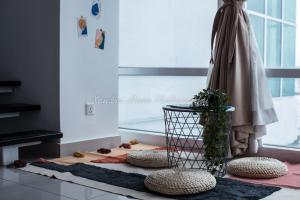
(15,110)
(10,83)
(27,137)
(18,107)
(9,86)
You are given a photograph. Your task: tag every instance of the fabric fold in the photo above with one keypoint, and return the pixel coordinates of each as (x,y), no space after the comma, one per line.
(237,69)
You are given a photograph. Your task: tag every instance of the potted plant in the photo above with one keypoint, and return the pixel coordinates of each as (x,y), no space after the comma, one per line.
(212,105)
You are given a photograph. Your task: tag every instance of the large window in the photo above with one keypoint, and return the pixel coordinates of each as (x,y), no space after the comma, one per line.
(165,51)
(274,23)
(162,46)
(275,27)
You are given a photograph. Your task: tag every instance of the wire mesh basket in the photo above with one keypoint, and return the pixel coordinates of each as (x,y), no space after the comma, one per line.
(184,141)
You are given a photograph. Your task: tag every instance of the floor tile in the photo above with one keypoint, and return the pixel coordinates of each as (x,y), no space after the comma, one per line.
(72,190)
(31,179)
(37,181)
(32,194)
(11,174)
(5,183)
(110,196)
(8,188)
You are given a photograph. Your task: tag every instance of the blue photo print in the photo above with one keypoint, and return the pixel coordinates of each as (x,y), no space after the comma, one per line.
(96,8)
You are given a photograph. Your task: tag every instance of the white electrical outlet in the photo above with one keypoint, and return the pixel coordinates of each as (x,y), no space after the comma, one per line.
(90,109)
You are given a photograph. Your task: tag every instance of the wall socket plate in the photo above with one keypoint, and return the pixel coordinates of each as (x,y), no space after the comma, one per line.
(90,109)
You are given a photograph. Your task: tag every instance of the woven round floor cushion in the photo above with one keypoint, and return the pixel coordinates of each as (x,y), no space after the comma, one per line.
(148,158)
(180,182)
(257,167)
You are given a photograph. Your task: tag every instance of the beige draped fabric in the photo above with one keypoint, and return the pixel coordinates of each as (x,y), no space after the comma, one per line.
(237,69)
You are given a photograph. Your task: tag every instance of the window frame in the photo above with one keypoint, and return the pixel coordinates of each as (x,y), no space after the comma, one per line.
(267,18)
(182,71)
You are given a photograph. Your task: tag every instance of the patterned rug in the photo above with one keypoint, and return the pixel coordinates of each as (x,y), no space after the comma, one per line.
(134,183)
(117,155)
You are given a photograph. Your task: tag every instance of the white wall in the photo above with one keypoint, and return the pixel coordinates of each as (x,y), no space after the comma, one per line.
(298,34)
(87,73)
(165,33)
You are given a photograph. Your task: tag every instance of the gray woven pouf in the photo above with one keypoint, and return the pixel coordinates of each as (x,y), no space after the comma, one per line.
(257,167)
(148,158)
(180,182)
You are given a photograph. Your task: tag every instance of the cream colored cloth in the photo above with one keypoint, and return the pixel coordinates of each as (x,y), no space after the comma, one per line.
(237,69)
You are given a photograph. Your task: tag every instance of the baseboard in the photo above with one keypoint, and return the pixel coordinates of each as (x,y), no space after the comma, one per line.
(142,137)
(283,154)
(67,149)
(150,138)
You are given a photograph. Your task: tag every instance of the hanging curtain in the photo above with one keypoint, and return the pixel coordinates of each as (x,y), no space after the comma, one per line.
(237,69)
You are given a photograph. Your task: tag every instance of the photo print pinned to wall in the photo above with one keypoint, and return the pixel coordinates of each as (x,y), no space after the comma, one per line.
(100,39)
(96,9)
(82,26)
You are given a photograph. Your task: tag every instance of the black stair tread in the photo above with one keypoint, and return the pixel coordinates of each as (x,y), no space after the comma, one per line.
(7,139)
(18,107)
(10,83)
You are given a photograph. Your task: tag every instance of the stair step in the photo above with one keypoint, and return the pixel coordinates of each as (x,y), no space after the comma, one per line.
(18,107)
(7,139)
(10,83)
(8,86)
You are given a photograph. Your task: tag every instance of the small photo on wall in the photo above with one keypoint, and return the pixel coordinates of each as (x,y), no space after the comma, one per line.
(82,26)
(100,39)
(96,8)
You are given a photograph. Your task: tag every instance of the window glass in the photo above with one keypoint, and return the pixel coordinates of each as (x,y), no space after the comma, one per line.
(258,24)
(256,5)
(142,98)
(289,10)
(288,87)
(165,33)
(289,46)
(174,33)
(273,44)
(286,131)
(274,85)
(274,8)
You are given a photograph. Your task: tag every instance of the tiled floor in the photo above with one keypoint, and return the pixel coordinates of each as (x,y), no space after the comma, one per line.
(16,184)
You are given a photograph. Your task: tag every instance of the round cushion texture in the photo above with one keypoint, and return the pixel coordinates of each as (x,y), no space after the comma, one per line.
(148,158)
(180,182)
(257,167)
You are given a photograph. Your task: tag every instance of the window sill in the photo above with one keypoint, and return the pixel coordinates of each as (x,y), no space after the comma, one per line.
(154,138)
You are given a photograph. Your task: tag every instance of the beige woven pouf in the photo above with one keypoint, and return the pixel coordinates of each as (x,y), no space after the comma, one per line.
(257,167)
(148,158)
(180,182)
